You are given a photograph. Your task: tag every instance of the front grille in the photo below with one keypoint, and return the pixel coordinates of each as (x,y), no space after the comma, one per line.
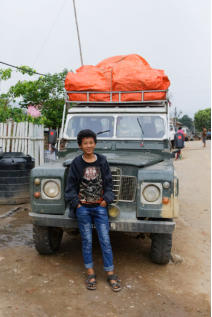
(124,187)
(116,177)
(128,188)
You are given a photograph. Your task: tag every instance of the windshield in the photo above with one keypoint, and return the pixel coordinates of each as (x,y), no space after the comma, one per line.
(94,123)
(150,126)
(120,126)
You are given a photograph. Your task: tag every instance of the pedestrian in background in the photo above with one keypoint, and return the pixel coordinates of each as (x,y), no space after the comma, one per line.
(179,139)
(204,136)
(180,130)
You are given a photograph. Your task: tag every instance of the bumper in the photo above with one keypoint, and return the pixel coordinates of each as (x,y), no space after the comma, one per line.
(64,221)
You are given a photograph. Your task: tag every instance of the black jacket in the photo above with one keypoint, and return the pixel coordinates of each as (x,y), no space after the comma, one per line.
(75,175)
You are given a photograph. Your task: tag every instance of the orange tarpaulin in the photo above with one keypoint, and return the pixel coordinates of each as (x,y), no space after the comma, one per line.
(118,73)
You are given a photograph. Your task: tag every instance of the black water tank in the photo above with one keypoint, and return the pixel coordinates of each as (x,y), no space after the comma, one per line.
(15,170)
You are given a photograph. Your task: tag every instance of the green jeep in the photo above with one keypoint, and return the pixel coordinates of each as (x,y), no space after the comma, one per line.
(134,136)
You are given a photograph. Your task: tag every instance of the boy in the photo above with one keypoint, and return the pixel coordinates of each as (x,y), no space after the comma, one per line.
(89,191)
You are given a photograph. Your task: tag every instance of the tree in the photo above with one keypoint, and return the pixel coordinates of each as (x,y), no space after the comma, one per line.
(202,118)
(47,93)
(187,121)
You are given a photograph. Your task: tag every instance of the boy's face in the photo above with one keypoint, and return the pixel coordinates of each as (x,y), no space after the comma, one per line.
(88,145)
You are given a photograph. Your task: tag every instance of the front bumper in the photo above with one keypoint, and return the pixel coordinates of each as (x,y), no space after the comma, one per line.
(146,226)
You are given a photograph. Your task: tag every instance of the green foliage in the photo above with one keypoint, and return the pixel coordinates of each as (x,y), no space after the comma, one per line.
(186,121)
(53,112)
(4,100)
(202,118)
(5,74)
(26,70)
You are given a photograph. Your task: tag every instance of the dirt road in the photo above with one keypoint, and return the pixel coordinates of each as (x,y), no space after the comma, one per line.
(53,286)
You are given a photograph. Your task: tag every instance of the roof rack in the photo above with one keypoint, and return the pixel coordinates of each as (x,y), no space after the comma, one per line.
(112,93)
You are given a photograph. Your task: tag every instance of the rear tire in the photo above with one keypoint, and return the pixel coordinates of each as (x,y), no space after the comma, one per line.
(161,247)
(47,239)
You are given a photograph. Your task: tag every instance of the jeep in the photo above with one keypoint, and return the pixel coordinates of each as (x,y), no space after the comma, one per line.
(134,136)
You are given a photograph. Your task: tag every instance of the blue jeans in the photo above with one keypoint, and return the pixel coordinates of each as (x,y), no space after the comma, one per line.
(85,217)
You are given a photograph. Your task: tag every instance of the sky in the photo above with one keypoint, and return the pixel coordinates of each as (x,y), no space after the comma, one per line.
(173,35)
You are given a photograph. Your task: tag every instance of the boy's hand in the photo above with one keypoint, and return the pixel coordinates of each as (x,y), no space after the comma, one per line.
(103,203)
(78,206)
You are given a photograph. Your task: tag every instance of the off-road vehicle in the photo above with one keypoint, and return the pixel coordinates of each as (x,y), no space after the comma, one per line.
(134,136)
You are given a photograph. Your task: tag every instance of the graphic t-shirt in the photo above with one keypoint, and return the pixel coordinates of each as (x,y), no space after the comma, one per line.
(91,185)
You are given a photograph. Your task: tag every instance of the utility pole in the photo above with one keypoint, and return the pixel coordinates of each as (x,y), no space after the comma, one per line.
(177,114)
(78,35)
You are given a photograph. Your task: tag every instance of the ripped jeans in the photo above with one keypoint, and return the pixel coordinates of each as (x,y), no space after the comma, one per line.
(85,217)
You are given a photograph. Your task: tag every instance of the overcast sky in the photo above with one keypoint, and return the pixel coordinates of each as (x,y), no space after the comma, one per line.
(173,35)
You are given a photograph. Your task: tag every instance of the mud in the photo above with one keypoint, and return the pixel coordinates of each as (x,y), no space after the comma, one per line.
(53,286)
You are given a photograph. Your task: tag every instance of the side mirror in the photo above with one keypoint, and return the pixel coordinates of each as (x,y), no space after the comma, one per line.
(52,139)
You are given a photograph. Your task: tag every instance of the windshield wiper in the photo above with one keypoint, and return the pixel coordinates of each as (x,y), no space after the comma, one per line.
(101,132)
(142,132)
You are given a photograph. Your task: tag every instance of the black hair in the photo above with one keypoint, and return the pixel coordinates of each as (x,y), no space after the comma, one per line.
(85,134)
(179,128)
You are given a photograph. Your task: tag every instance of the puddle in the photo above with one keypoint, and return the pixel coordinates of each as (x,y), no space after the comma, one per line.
(16,230)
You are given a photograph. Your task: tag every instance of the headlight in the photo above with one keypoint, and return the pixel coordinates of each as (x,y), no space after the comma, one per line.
(51,189)
(151,193)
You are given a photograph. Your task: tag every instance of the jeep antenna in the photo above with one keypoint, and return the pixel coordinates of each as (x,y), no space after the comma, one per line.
(78,35)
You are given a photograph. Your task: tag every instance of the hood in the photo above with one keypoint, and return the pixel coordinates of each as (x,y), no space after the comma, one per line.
(133,158)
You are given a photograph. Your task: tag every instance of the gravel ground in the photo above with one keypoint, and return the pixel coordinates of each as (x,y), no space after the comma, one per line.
(53,286)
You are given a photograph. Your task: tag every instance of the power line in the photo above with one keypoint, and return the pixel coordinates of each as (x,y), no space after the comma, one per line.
(26,70)
(49,32)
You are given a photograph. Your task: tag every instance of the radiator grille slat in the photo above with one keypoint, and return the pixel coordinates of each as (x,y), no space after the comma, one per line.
(124,187)
(116,177)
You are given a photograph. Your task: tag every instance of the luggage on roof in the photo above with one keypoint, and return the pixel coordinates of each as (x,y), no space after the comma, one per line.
(126,73)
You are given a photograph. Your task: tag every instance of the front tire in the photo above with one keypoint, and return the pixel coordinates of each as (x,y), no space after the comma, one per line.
(47,239)
(161,247)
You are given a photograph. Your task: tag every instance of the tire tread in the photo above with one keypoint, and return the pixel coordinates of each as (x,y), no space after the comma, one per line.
(161,248)
(42,240)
